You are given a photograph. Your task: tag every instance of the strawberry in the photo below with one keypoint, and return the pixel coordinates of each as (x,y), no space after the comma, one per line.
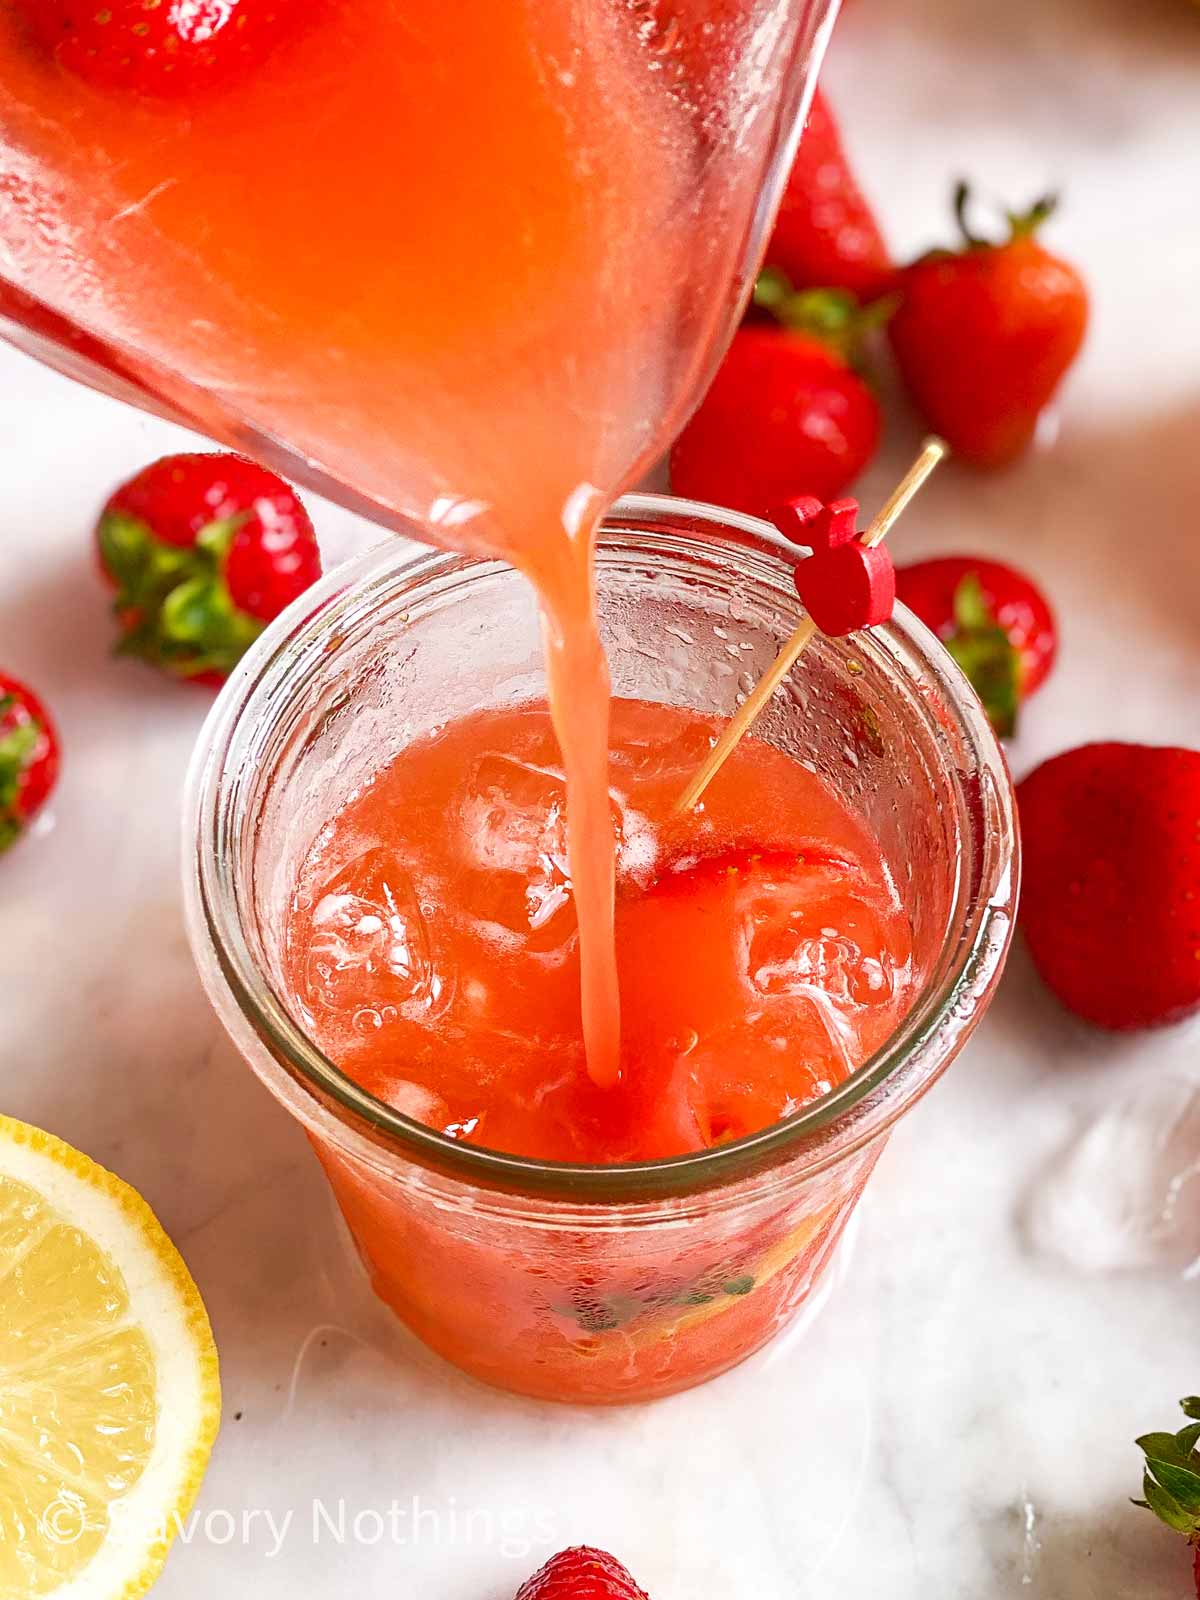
(29,757)
(826,236)
(581,1574)
(203,551)
(1171,1482)
(1111,899)
(983,338)
(994,621)
(165,48)
(787,413)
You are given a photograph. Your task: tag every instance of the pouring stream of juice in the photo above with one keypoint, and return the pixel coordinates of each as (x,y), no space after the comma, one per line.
(466,267)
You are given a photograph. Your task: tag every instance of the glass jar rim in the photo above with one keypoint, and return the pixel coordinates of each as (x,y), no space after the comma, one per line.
(322,1096)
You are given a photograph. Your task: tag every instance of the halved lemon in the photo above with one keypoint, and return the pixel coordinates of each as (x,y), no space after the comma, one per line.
(109,1393)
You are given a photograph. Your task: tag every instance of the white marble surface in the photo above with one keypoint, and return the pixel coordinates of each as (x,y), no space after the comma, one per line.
(958,1421)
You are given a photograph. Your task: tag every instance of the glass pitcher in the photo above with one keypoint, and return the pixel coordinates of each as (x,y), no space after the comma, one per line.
(410,248)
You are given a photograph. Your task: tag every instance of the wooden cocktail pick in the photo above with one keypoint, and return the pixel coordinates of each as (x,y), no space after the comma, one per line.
(863,585)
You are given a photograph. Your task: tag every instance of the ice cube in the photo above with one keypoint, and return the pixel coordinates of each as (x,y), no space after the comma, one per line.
(513,820)
(514,816)
(785,960)
(369,952)
(806,935)
(1124,1195)
(643,758)
(417,1101)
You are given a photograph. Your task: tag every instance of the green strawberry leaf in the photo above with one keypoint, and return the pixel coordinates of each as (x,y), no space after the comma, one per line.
(124,543)
(199,625)
(835,317)
(145,571)
(195,613)
(772,290)
(971,611)
(10,831)
(143,567)
(986,655)
(216,537)
(1164,1507)
(1181,1483)
(172,601)
(16,747)
(1172,1476)
(1164,1447)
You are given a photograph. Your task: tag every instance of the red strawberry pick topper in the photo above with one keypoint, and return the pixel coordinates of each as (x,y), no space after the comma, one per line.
(845,584)
(844,588)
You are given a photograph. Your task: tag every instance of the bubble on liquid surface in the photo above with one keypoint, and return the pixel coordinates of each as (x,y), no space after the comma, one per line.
(369,954)
(1124,1195)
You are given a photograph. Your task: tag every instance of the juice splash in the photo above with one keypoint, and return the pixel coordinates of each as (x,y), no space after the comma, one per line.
(470,262)
(433,942)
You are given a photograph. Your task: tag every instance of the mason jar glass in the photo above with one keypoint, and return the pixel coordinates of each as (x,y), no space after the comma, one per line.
(595,1283)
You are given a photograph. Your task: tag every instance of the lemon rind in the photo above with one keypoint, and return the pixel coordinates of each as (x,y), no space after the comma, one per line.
(165,1302)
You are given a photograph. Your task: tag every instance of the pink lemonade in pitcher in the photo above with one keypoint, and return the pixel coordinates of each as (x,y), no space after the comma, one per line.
(470,265)
(469,261)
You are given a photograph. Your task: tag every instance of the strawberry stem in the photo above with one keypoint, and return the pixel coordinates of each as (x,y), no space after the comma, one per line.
(1024,224)
(962,199)
(1021,224)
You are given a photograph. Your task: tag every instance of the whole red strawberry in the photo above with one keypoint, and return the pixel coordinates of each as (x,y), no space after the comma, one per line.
(826,236)
(581,1574)
(29,758)
(1171,1480)
(787,413)
(994,621)
(167,48)
(203,551)
(1110,905)
(983,338)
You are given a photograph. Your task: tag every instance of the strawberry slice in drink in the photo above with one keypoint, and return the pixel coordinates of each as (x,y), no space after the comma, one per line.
(782,966)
